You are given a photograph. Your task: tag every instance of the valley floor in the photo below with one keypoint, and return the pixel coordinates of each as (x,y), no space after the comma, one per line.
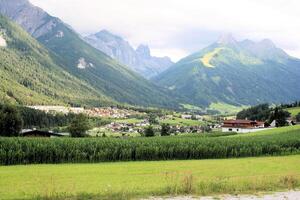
(127,180)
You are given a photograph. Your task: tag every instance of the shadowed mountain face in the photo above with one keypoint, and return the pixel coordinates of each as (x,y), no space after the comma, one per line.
(235,72)
(75,56)
(139,60)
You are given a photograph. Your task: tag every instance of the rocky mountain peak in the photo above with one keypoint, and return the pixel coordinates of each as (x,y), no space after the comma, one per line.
(33,19)
(144,51)
(267,43)
(226,39)
(105,34)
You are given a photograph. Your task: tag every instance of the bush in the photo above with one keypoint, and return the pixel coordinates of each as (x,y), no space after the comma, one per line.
(165,130)
(149,132)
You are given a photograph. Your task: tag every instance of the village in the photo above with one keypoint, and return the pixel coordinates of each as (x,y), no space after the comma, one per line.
(129,122)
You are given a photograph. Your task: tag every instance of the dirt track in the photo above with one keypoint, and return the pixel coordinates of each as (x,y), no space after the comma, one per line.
(291,195)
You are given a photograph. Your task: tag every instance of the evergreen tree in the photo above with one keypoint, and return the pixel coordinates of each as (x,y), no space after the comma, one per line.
(259,112)
(10,121)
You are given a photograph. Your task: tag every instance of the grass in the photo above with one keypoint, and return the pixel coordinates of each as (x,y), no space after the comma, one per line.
(191,107)
(183,122)
(274,131)
(293,111)
(224,108)
(207,57)
(125,180)
(129,120)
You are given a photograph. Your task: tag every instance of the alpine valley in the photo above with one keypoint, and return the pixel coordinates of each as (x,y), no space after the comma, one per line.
(44,61)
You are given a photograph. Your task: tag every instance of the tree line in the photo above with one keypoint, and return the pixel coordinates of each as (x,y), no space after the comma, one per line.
(15,118)
(266,113)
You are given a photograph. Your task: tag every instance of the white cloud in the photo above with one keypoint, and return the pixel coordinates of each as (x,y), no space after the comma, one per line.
(179,27)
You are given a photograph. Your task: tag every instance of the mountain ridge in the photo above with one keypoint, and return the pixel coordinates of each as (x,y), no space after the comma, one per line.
(242,74)
(139,59)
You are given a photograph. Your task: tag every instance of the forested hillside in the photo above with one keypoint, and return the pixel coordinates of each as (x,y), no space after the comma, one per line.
(29,75)
(235,72)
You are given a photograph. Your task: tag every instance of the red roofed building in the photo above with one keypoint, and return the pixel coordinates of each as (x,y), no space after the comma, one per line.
(242,126)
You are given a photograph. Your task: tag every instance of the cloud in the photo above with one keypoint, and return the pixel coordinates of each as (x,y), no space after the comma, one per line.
(179,27)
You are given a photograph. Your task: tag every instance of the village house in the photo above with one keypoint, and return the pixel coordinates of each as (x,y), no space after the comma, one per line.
(186,116)
(243,126)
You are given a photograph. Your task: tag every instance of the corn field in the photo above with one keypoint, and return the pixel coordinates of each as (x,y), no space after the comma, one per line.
(93,150)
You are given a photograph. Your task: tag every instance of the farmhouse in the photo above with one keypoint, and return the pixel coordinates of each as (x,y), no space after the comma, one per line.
(242,126)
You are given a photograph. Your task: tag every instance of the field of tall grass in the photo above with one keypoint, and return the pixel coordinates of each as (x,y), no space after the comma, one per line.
(13,151)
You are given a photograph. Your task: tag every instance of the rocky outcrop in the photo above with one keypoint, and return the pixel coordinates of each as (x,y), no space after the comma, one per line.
(33,19)
(140,60)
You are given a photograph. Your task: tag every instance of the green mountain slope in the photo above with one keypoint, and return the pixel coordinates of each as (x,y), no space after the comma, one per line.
(28,74)
(102,72)
(237,73)
(83,61)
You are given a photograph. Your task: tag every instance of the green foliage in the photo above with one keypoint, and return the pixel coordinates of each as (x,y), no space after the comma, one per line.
(149,132)
(260,112)
(298,117)
(79,126)
(153,118)
(206,129)
(280,116)
(294,111)
(165,130)
(10,121)
(38,119)
(69,150)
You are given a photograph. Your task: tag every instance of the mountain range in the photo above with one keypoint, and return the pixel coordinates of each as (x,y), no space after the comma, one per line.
(44,61)
(82,61)
(235,72)
(139,60)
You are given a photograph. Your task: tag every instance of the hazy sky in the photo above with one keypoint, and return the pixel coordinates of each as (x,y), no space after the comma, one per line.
(178,27)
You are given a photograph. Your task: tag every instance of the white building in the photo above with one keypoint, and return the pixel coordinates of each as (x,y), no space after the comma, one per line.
(243,126)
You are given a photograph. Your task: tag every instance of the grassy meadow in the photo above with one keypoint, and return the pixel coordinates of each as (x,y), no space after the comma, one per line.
(180,121)
(126,180)
(293,111)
